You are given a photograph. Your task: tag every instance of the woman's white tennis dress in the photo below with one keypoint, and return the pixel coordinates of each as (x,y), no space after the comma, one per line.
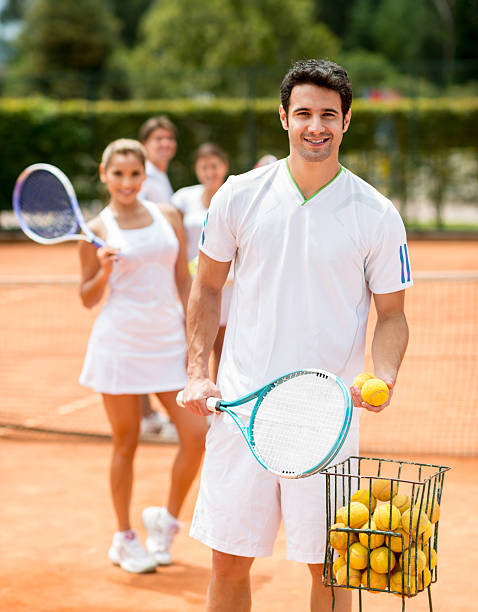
(137,344)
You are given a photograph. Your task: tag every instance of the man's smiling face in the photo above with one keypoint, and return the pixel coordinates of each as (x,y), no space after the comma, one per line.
(315,122)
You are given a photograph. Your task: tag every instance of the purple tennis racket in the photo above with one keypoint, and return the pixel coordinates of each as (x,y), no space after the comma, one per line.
(45,204)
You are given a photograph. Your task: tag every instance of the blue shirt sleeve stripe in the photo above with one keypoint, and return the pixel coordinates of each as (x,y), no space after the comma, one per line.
(407,261)
(402,270)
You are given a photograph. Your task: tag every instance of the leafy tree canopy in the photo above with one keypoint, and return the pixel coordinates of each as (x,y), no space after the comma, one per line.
(184,37)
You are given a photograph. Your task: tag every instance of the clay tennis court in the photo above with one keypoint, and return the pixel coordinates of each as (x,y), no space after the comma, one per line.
(55,510)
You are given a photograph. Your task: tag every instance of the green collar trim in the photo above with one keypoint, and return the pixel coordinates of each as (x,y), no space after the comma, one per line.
(342,169)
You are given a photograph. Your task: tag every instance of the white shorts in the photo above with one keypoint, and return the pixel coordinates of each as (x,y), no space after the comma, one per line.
(240,505)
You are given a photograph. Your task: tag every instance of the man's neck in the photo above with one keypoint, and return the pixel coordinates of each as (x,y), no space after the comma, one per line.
(161,166)
(310,177)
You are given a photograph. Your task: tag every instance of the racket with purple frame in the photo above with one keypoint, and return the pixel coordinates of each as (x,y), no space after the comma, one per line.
(298,423)
(46,207)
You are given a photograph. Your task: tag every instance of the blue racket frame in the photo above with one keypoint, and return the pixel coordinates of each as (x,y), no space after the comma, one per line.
(247,430)
(65,181)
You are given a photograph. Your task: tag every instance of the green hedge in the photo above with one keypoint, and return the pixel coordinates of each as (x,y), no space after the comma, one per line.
(73,134)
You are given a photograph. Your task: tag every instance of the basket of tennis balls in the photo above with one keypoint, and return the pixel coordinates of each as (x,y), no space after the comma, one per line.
(382,525)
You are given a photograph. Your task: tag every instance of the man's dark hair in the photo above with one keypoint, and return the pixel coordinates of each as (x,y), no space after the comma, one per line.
(318,72)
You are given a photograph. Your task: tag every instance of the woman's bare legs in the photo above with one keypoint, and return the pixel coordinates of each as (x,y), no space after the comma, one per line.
(124,413)
(191,432)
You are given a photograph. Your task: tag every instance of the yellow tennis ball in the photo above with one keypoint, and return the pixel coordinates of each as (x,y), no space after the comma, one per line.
(355,515)
(395,542)
(193,266)
(360,379)
(433,513)
(426,535)
(340,515)
(338,563)
(383,489)
(353,579)
(372,540)
(401,501)
(382,560)
(396,584)
(413,558)
(424,579)
(374,580)
(357,556)
(387,517)
(363,496)
(431,556)
(414,522)
(375,392)
(340,540)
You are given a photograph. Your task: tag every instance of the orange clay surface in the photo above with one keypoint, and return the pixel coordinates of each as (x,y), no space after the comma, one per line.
(57,520)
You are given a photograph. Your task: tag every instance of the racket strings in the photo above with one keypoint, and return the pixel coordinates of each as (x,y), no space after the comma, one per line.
(45,206)
(298,423)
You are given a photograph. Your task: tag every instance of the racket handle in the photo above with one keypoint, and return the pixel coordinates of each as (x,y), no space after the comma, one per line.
(212,403)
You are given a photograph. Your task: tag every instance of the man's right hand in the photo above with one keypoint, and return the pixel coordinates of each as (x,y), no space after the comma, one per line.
(196,393)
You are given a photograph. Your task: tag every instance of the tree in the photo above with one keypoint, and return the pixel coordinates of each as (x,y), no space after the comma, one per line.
(65,46)
(129,14)
(226,47)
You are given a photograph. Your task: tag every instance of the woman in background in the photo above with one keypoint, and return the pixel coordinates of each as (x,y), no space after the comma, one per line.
(137,345)
(211,166)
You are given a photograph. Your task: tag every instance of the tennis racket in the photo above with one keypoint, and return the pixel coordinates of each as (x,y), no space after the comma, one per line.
(298,424)
(46,207)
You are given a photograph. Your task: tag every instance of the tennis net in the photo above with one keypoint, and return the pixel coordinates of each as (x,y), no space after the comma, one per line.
(44,332)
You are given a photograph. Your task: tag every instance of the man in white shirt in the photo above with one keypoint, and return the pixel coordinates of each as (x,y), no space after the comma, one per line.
(311,243)
(158,136)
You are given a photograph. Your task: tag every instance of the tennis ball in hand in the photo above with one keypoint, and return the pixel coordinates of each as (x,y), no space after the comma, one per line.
(362,378)
(375,392)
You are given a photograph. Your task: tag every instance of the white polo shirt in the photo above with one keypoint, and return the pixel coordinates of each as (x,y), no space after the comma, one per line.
(304,273)
(156,187)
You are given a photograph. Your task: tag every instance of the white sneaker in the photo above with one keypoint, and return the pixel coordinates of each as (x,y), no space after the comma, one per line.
(153,423)
(127,552)
(169,433)
(162,528)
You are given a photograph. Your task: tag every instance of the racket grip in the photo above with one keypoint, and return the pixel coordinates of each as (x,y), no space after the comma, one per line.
(212,403)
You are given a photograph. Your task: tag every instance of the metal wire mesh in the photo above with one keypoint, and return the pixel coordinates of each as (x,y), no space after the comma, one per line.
(382,525)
